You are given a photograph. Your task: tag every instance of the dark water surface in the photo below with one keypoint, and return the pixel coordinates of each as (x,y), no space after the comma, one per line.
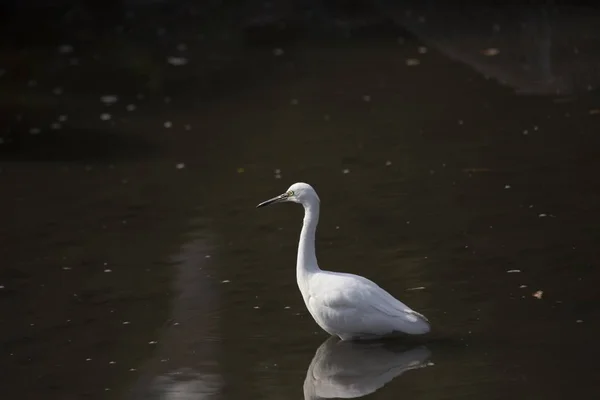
(452,170)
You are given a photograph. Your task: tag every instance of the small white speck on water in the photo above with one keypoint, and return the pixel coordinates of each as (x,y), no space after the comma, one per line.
(512,271)
(132,369)
(278,52)
(207,256)
(65,49)
(164,360)
(277,171)
(182,47)
(346,171)
(460,122)
(256,307)
(88,359)
(525,132)
(535,128)
(55,126)
(367,98)
(506,186)
(1,286)
(153,342)
(579,321)
(107,389)
(407,222)
(542,215)
(112,362)
(277,176)
(422,50)
(294,102)
(63,118)
(35,131)
(490,52)
(177,61)
(108,270)
(187,127)
(388,163)
(130,107)
(176,323)
(109,99)
(417,288)
(57,91)
(522,286)
(412,62)
(286,307)
(66,268)
(168,124)
(126,322)
(225,281)
(105,116)
(180,166)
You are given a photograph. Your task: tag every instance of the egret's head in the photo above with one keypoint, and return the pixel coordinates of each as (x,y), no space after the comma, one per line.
(299,192)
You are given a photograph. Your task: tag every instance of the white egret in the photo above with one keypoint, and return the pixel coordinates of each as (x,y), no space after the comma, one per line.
(346,305)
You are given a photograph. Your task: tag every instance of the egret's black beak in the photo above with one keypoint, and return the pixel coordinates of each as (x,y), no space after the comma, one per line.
(276,199)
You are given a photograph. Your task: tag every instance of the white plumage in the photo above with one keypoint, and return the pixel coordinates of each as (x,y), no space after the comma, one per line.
(347,305)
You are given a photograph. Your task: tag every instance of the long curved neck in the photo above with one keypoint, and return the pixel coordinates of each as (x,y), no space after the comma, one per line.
(306,262)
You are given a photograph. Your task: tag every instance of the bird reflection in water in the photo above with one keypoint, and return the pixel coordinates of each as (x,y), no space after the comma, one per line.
(344,369)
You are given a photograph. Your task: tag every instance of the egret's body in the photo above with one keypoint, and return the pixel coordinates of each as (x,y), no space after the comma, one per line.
(346,305)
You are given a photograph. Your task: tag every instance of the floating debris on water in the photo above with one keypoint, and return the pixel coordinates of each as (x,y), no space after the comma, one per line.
(63,118)
(187,127)
(108,270)
(240,170)
(512,271)
(180,166)
(126,322)
(55,126)
(168,124)
(177,61)
(506,186)
(65,49)
(105,116)
(367,98)
(490,52)
(130,107)
(182,47)
(422,50)
(522,286)
(153,342)
(346,171)
(109,99)
(542,215)
(579,321)
(388,163)
(538,295)
(225,281)
(417,288)
(413,62)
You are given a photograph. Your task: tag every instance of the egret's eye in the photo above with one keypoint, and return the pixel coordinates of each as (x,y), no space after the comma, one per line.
(290,193)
